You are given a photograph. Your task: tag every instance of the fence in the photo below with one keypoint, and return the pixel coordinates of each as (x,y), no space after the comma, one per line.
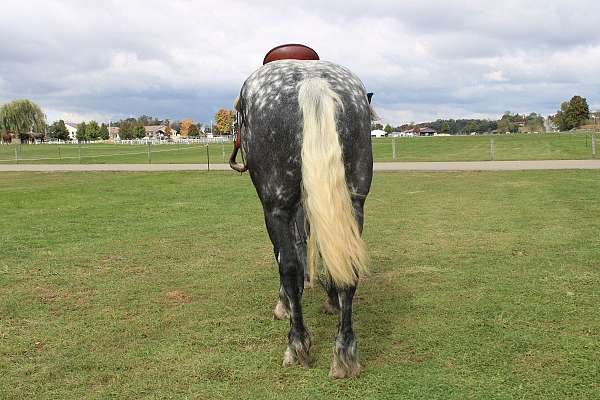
(189,151)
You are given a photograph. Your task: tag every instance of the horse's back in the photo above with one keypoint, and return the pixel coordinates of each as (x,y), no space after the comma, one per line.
(272,138)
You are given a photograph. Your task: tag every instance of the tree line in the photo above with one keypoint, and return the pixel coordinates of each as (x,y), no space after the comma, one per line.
(573,114)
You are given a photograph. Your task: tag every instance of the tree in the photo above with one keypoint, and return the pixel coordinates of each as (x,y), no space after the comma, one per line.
(224,121)
(58,130)
(506,125)
(472,126)
(126,130)
(103,135)
(388,129)
(376,126)
(81,133)
(184,127)
(21,117)
(572,114)
(139,131)
(92,130)
(193,131)
(578,111)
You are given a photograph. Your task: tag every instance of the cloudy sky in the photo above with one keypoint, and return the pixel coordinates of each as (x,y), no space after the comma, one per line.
(178,59)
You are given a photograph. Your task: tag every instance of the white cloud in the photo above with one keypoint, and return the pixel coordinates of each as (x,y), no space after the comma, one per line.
(180,58)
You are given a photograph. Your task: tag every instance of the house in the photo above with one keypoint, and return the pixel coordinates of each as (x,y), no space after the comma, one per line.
(156,131)
(427,132)
(72,128)
(113,133)
(419,132)
(378,133)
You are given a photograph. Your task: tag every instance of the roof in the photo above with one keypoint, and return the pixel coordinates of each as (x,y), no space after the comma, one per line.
(154,128)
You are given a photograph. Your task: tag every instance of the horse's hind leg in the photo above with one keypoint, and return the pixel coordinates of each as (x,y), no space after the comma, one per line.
(282,308)
(345,360)
(280,224)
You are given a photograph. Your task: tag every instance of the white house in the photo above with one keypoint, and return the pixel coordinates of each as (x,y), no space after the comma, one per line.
(378,133)
(72,128)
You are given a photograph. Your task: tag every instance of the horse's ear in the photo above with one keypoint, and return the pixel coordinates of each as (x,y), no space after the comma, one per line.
(237,104)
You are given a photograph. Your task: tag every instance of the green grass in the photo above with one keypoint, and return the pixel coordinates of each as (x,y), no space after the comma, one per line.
(161,285)
(115,154)
(457,148)
(565,146)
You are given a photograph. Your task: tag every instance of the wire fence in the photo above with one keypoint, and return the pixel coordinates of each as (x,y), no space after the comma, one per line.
(182,152)
(217,150)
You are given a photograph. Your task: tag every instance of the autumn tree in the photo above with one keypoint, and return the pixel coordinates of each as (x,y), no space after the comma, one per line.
(224,121)
(184,127)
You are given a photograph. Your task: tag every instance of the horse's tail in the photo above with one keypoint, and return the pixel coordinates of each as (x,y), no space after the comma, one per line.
(334,231)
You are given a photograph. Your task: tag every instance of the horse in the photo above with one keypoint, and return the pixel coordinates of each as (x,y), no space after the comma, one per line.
(7,137)
(305,133)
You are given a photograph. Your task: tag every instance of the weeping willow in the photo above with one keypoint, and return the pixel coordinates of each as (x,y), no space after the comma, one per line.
(21,117)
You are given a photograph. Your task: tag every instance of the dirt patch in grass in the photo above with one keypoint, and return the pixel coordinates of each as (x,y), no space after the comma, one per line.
(178,297)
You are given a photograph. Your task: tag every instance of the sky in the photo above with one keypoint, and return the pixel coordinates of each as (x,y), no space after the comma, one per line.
(107,60)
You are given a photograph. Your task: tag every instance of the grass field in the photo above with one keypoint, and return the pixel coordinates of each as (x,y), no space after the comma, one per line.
(457,148)
(161,285)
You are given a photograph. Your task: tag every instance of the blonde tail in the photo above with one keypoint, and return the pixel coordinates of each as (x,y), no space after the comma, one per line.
(326,199)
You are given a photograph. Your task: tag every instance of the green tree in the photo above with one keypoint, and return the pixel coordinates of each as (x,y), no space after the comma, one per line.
(58,130)
(578,111)
(388,129)
(81,133)
(126,130)
(194,131)
(103,134)
(139,131)
(92,130)
(472,126)
(22,116)
(572,113)
(506,123)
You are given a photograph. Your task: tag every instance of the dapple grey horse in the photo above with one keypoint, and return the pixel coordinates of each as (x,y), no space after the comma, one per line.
(306,136)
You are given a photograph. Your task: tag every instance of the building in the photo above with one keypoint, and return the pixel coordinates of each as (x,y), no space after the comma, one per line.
(72,128)
(378,133)
(113,133)
(156,131)
(420,132)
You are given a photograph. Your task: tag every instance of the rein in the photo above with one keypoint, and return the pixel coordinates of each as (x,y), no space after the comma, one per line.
(237,145)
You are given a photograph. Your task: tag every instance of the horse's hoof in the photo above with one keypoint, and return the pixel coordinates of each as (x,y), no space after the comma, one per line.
(345,361)
(289,359)
(338,372)
(329,307)
(281,312)
(298,352)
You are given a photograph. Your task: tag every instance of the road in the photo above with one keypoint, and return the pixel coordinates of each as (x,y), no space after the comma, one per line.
(387,166)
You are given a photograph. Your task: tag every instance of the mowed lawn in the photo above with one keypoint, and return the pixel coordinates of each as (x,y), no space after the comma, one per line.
(107,153)
(562,146)
(161,285)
